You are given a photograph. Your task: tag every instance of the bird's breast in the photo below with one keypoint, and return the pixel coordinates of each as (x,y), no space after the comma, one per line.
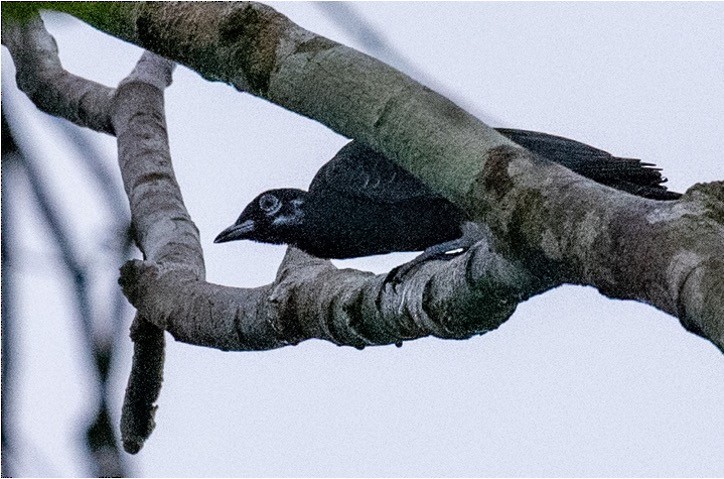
(350,227)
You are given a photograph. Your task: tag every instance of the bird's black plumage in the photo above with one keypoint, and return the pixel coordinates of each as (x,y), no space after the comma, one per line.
(360,203)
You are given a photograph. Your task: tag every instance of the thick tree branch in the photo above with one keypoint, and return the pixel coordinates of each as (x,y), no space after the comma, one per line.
(310,298)
(258,50)
(664,254)
(139,122)
(170,241)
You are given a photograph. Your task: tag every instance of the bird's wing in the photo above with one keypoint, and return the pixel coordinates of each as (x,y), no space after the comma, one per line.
(628,174)
(358,171)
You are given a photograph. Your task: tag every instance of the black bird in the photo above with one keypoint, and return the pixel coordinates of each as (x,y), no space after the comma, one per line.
(360,203)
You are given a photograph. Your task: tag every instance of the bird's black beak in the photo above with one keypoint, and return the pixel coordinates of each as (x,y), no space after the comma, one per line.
(236,231)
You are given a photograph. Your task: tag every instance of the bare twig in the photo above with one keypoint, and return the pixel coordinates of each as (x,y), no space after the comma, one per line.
(92,158)
(8,311)
(102,440)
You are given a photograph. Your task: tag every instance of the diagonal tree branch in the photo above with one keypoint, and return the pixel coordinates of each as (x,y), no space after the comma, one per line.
(664,254)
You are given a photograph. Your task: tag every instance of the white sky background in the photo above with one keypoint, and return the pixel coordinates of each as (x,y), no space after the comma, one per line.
(573,384)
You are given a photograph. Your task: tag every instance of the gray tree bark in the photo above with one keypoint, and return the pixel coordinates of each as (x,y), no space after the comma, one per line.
(547,226)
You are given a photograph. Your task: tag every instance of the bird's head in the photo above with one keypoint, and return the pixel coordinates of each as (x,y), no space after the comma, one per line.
(272,217)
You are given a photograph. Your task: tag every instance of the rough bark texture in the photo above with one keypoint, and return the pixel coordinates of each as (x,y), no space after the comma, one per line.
(310,298)
(53,90)
(565,228)
(548,226)
(164,230)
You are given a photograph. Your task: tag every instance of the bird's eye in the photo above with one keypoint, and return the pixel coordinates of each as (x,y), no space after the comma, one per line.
(269,203)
